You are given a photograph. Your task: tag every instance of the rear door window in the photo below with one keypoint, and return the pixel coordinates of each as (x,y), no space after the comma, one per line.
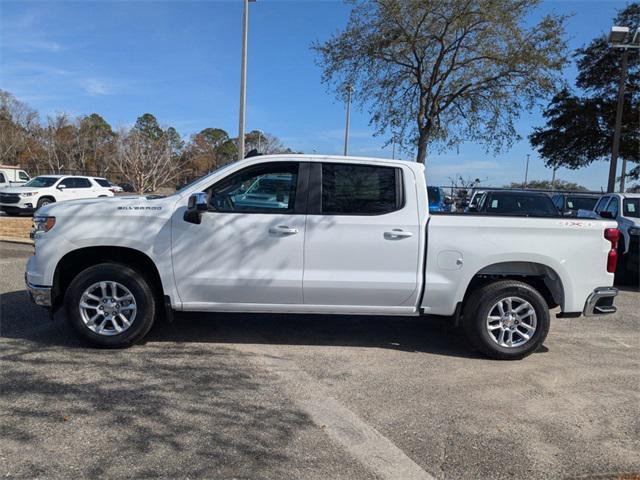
(631,207)
(82,182)
(352,189)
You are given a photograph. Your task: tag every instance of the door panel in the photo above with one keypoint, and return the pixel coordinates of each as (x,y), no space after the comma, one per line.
(249,247)
(365,259)
(239,258)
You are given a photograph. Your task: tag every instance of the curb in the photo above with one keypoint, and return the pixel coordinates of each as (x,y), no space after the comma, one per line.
(24,241)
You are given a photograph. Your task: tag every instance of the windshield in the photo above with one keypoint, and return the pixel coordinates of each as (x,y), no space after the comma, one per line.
(581,203)
(523,204)
(433,194)
(41,182)
(216,170)
(631,207)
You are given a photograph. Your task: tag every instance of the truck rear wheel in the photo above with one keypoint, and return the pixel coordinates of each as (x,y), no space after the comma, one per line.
(506,320)
(110,305)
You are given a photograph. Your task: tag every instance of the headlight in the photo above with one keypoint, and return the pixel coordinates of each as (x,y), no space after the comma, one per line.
(634,231)
(42,225)
(26,194)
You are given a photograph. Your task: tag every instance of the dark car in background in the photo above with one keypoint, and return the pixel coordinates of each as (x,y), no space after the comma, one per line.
(438,201)
(570,203)
(520,203)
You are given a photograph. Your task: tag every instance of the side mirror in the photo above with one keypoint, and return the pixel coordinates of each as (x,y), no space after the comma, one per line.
(197,204)
(61,187)
(472,209)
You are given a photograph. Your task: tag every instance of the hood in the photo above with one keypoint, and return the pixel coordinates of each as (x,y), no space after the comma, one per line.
(109,206)
(18,190)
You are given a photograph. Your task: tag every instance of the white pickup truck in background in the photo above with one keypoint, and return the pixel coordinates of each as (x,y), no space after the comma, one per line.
(314,234)
(12,176)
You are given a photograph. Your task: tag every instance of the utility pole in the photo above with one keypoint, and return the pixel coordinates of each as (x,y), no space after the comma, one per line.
(620,37)
(243,78)
(526,171)
(346,128)
(618,127)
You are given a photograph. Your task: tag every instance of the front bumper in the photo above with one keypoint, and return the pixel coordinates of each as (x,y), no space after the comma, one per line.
(39,295)
(25,207)
(600,302)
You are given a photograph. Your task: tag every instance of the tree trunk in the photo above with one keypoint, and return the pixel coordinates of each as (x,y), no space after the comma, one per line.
(422,146)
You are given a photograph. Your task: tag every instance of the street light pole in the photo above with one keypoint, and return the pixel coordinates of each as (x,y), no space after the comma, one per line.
(243,79)
(526,171)
(620,37)
(346,128)
(613,166)
(618,127)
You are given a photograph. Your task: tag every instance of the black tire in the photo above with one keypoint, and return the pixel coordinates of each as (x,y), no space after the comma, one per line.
(623,276)
(44,201)
(479,305)
(135,282)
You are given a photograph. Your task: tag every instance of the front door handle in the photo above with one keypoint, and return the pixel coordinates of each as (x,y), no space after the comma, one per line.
(397,234)
(283,230)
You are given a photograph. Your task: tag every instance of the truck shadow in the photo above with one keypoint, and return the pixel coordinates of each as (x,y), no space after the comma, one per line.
(185,412)
(21,319)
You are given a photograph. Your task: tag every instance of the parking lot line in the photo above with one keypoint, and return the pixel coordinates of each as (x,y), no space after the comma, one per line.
(365,443)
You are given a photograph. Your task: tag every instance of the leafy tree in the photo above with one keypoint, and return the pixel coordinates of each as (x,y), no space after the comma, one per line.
(97,136)
(546,185)
(580,125)
(149,126)
(208,149)
(444,71)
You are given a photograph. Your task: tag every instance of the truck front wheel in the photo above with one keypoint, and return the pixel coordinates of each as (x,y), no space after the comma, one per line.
(111,305)
(506,320)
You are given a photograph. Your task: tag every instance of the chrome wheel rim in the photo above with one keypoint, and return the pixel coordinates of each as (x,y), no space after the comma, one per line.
(511,322)
(108,308)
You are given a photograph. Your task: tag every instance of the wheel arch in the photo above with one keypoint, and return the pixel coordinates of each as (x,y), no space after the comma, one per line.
(47,196)
(75,261)
(540,276)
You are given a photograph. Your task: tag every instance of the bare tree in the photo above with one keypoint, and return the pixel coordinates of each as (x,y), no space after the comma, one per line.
(147,162)
(17,121)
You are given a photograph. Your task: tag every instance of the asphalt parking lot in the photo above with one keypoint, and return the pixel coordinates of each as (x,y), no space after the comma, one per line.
(252,396)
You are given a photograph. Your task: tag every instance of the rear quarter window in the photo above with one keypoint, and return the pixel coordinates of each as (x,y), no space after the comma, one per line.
(102,182)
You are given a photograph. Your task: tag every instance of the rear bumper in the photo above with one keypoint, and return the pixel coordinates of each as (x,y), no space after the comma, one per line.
(39,295)
(600,302)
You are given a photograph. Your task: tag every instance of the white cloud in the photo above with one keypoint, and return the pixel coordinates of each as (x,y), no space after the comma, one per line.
(42,45)
(95,87)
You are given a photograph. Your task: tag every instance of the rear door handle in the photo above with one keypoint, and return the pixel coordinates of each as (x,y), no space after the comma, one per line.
(396,234)
(283,230)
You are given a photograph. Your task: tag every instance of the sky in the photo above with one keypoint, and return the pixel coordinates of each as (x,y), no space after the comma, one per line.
(180,60)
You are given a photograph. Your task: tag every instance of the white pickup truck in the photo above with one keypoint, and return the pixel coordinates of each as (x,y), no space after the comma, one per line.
(314,234)
(11,176)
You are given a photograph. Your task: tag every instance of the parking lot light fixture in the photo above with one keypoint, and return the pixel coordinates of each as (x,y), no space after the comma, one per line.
(618,35)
